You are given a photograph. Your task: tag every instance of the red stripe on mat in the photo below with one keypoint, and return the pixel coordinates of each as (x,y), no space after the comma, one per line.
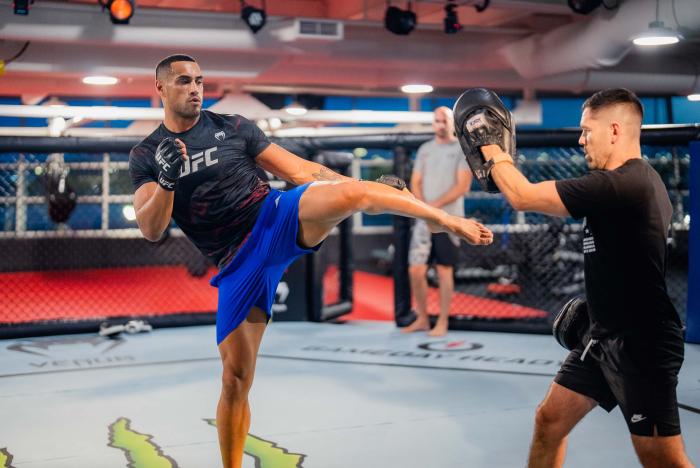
(81,294)
(97,293)
(374,300)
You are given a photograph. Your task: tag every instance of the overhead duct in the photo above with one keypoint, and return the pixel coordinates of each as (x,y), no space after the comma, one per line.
(602,41)
(594,80)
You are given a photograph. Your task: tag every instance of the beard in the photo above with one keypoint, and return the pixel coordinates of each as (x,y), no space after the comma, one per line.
(187,110)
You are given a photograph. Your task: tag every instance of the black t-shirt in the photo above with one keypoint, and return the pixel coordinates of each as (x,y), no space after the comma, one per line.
(219,193)
(627,218)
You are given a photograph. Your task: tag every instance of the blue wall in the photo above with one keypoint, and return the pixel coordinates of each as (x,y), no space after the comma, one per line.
(685,111)
(18,121)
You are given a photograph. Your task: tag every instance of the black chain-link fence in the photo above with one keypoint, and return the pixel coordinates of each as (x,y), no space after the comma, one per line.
(72,252)
(535,263)
(73,255)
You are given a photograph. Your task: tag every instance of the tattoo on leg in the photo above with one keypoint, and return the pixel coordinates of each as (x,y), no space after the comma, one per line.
(326,174)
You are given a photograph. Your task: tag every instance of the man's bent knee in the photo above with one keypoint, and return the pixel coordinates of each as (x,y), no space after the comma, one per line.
(236,381)
(549,422)
(354,194)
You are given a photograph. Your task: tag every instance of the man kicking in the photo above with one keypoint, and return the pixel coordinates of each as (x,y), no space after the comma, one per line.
(199,168)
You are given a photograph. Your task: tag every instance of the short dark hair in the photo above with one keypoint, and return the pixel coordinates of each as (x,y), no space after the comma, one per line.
(610,97)
(163,66)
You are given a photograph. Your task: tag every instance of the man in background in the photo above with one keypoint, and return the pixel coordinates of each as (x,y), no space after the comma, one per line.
(440,178)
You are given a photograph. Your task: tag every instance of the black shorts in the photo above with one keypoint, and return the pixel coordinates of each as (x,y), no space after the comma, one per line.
(636,370)
(443,251)
(427,248)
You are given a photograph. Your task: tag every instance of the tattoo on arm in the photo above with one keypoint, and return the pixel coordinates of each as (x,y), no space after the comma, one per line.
(326,174)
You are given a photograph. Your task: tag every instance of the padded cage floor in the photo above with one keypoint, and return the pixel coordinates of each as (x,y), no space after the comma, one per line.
(360,394)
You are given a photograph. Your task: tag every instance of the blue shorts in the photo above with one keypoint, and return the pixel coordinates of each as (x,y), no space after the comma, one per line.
(250,279)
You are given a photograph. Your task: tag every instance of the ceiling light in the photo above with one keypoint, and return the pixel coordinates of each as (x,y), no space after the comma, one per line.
(120,11)
(694,97)
(416,88)
(254,17)
(451,21)
(100,80)
(399,21)
(296,109)
(657,35)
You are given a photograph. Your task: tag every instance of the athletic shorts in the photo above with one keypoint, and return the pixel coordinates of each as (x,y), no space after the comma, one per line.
(428,248)
(251,277)
(637,371)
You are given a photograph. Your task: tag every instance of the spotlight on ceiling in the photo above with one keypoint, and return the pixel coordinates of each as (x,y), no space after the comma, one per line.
(21,7)
(399,21)
(657,34)
(254,17)
(584,7)
(451,21)
(120,11)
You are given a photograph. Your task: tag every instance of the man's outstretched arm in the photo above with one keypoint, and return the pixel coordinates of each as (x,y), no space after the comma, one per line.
(520,193)
(295,170)
(486,133)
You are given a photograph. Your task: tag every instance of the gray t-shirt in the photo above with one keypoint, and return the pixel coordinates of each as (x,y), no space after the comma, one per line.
(438,164)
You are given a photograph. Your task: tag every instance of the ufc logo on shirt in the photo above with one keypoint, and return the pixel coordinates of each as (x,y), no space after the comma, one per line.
(195,162)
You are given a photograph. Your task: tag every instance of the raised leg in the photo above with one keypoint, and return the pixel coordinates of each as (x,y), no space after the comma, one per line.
(325,204)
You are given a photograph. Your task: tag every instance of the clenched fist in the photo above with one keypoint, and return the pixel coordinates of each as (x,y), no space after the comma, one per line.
(169,156)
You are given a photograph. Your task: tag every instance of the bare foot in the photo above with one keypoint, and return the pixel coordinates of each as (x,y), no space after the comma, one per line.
(470,230)
(440,329)
(417,325)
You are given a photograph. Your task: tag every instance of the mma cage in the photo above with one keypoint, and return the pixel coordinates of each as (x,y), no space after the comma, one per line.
(73,257)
